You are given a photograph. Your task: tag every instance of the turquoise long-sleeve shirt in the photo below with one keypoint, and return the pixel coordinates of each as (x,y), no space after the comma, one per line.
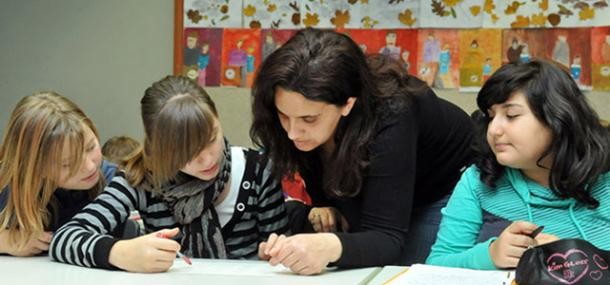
(515,198)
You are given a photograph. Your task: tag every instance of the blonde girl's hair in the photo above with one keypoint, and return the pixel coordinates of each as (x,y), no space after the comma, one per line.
(178,117)
(31,158)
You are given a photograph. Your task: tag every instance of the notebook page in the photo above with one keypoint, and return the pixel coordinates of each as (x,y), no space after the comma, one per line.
(420,274)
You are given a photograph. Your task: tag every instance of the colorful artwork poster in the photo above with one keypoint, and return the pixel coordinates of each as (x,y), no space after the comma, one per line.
(325,14)
(241,56)
(569,47)
(272,39)
(545,13)
(359,14)
(201,56)
(451,14)
(400,44)
(521,45)
(274,14)
(212,13)
(600,58)
(384,14)
(438,58)
(480,55)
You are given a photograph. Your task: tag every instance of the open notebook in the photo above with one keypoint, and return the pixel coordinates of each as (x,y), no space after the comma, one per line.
(420,274)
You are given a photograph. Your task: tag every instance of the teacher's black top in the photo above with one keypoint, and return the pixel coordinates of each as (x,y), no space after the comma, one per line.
(416,157)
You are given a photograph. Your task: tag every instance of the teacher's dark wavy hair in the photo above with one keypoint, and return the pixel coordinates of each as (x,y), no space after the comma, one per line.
(324,66)
(580,144)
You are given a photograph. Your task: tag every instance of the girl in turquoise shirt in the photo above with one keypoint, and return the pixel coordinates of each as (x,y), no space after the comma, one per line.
(544,159)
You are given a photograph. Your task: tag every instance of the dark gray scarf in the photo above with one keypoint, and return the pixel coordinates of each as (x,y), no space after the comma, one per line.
(191,201)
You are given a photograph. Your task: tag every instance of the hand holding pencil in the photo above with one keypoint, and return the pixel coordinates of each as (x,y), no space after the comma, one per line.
(508,248)
(180,254)
(154,252)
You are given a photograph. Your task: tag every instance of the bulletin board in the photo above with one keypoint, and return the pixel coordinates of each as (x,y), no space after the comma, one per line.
(450,44)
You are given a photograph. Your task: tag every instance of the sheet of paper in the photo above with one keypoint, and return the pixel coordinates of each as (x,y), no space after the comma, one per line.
(242,268)
(420,274)
(239,270)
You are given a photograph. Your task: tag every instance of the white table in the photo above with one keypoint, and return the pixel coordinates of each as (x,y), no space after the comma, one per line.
(387,273)
(41,270)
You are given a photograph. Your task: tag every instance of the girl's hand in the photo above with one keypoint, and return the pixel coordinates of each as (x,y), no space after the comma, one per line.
(305,254)
(36,245)
(154,252)
(324,219)
(264,247)
(506,251)
(543,238)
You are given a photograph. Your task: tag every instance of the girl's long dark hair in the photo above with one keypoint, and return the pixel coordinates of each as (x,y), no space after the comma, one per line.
(325,66)
(580,146)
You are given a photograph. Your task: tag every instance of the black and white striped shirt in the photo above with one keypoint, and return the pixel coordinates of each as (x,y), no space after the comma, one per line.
(259,211)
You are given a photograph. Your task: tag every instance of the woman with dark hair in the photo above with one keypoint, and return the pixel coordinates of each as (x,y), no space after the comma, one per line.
(369,140)
(546,161)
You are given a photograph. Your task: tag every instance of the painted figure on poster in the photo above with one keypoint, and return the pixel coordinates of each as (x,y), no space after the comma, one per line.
(576,68)
(475,57)
(269,45)
(606,50)
(445,60)
(487,69)
(561,51)
(525,54)
(432,50)
(203,62)
(405,60)
(239,58)
(191,52)
(513,53)
(391,49)
(250,59)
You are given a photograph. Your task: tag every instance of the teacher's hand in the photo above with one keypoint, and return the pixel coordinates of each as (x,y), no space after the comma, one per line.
(305,254)
(325,219)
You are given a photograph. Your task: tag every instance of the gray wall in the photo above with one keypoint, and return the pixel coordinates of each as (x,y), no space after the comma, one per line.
(102,54)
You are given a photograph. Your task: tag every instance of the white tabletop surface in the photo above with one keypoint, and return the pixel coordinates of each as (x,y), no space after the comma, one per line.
(41,270)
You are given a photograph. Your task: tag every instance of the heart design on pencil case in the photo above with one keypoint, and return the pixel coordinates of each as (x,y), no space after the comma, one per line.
(566,261)
(570,267)
(600,261)
(596,275)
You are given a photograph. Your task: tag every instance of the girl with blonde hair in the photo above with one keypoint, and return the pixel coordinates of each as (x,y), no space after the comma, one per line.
(50,167)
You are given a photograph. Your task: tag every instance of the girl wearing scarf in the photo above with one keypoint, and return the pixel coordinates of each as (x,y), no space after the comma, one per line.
(211,199)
